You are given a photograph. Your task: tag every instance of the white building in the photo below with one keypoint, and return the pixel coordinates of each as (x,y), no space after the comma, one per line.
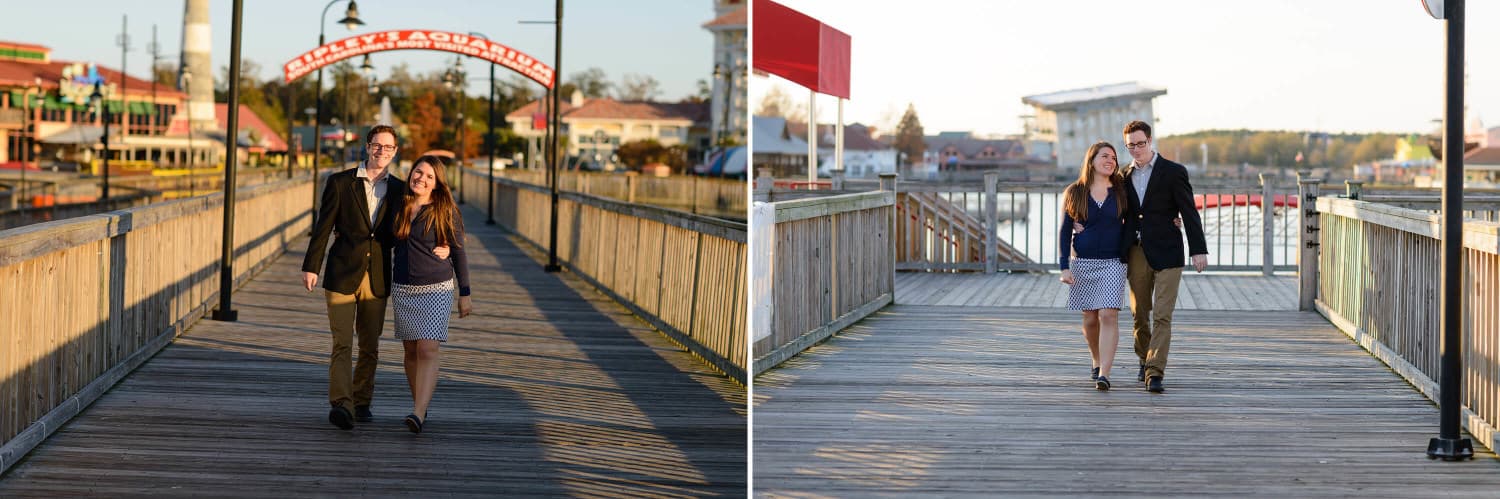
(595,128)
(729,28)
(864,156)
(1068,122)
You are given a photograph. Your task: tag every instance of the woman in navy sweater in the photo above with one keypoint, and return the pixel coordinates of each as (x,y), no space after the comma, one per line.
(422,283)
(1090,259)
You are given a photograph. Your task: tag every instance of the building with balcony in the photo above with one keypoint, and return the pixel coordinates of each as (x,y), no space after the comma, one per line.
(1064,124)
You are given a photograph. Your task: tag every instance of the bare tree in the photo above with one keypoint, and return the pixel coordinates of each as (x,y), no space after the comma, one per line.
(639,87)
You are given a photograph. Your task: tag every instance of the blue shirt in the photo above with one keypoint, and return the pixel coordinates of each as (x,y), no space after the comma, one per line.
(415,262)
(1100,238)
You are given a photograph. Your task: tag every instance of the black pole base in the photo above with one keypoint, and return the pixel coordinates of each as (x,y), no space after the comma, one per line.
(552,267)
(1450,449)
(489,221)
(234,316)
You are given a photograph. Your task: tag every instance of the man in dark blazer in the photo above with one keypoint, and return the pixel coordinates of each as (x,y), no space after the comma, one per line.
(1158,192)
(359,207)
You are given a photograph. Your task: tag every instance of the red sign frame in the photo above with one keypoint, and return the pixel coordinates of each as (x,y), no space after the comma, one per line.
(419,39)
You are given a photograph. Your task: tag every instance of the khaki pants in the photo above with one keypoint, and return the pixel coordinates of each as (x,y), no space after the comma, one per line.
(361,311)
(1153,296)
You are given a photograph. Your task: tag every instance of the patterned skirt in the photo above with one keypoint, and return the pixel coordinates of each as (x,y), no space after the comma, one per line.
(1096,284)
(422,311)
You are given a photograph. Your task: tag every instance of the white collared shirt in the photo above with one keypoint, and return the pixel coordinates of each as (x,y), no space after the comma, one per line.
(374,190)
(1141,175)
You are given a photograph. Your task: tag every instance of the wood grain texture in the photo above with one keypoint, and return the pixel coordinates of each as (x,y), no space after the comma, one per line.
(972,401)
(1214,291)
(550,388)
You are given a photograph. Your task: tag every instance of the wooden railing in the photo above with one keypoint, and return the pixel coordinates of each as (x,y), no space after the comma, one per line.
(711,196)
(1378,281)
(683,273)
(822,264)
(87,300)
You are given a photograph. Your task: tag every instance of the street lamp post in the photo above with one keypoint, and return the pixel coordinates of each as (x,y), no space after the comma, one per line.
(1450,444)
(553,129)
(231,163)
(556,124)
(490,142)
(350,20)
(97,99)
(187,78)
(27,103)
(366,70)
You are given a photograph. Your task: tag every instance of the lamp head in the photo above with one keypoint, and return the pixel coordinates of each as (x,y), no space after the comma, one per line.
(351,17)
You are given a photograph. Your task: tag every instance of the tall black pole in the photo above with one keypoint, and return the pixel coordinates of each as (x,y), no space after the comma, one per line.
(104,139)
(555,166)
(317,119)
(291,118)
(1449,444)
(231,163)
(490,220)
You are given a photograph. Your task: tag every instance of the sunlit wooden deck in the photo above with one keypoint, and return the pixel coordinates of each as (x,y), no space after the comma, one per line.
(549,389)
(1212,291)
(987,401)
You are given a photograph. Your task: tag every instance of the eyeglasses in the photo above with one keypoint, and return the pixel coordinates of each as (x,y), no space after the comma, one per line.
(374,147)
(1137,145)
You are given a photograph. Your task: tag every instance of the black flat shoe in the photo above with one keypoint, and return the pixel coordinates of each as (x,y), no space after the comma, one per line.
(1102,383)
(1141,375)
(1154,385)
(1095,374)
(341,418)
(362,414)
(413,423)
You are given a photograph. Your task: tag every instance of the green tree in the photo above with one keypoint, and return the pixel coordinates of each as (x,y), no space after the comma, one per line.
(909,136)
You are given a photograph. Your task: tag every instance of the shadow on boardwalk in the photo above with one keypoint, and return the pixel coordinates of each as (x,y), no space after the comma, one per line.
(548,389)
(997,402)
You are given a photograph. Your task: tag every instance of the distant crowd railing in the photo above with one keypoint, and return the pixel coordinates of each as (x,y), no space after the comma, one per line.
(683,273)
(821,264)
(1373,270)
(87,300)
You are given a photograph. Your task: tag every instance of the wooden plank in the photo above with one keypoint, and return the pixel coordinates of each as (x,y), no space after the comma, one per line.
(550,388)
(956,401)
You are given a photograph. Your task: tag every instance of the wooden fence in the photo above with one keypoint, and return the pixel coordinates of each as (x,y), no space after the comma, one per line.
(1378,276)
(683,273)
(87,300)
(713,196)
(822,264)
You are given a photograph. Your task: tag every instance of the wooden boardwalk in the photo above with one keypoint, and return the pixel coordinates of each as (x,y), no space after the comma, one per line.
(1217,291)
(967,401)
(548,389)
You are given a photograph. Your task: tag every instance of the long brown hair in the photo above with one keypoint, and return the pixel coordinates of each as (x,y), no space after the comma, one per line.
(1076,196)
(441,214)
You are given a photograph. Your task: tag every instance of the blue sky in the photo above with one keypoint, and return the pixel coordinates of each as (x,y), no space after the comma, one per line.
(661,38)
(1334,65)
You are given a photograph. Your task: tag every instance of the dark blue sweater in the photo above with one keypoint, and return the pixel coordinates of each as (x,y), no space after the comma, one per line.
(416,264)
(1101,234)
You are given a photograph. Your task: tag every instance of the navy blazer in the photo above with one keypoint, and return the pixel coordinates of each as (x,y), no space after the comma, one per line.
(1168,195)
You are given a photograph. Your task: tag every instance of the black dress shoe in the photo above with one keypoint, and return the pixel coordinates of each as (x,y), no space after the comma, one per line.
(413,423)
(362,414)
(1141,375)
(1102,383)
(341,418)
(1095,374)
(1154,385)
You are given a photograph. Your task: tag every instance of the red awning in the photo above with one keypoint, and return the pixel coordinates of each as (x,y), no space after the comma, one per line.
(799,48)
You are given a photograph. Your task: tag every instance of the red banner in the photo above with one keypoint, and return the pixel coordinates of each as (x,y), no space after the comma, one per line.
(419,39)
(799,48)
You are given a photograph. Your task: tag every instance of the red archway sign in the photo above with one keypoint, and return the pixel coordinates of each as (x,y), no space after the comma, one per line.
(419,39)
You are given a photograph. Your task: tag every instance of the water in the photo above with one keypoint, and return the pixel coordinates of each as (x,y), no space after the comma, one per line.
(1233,234)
